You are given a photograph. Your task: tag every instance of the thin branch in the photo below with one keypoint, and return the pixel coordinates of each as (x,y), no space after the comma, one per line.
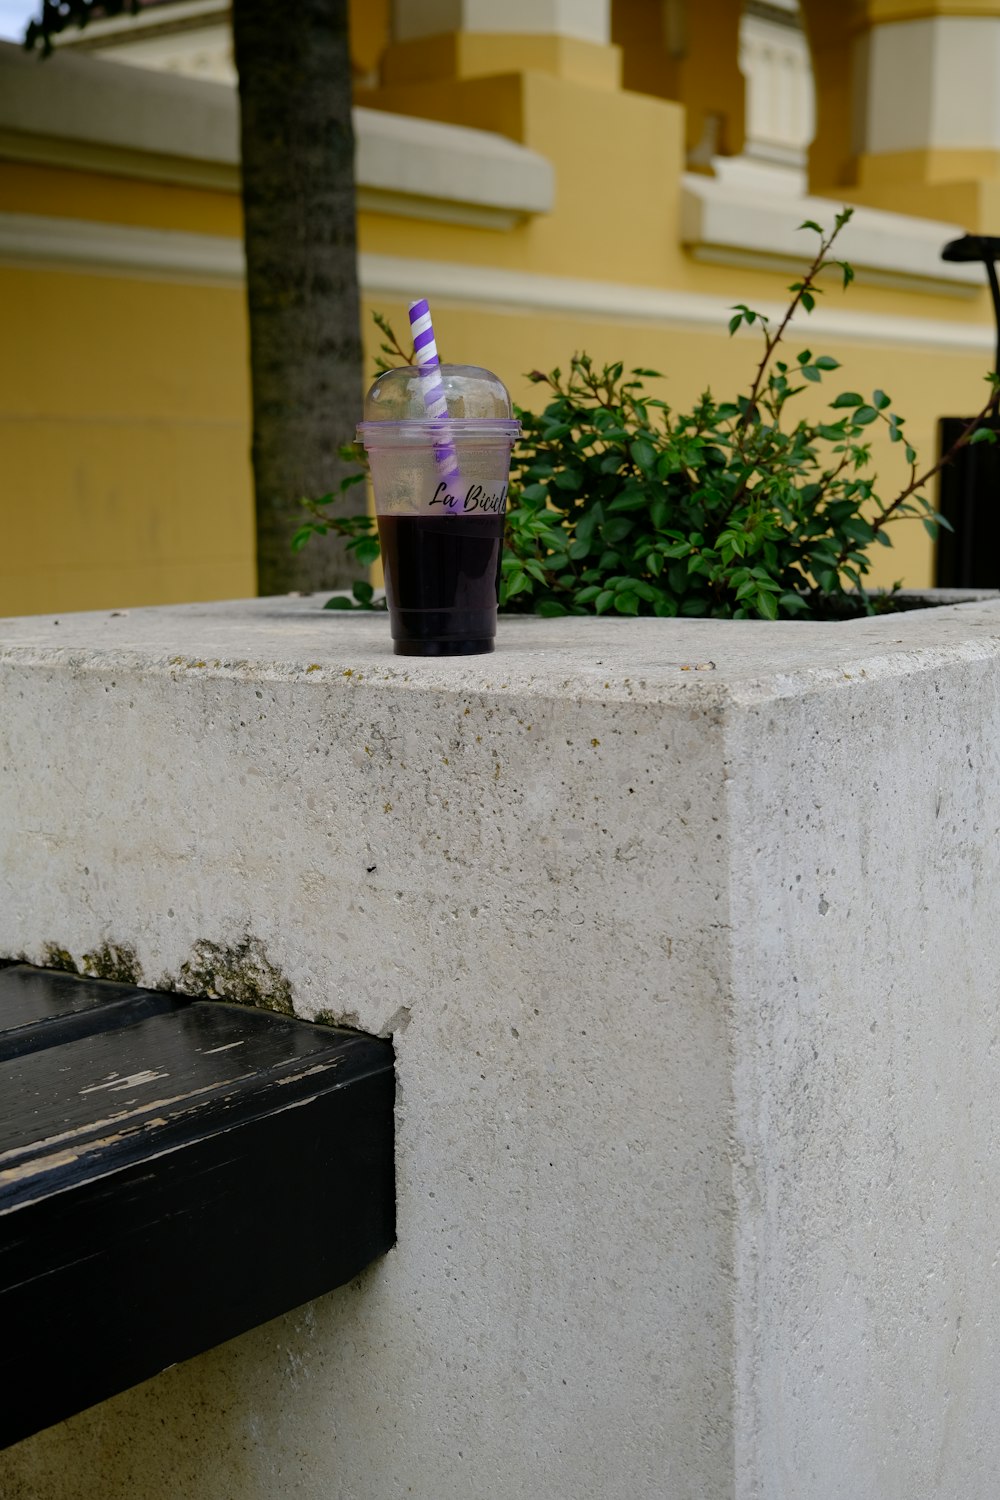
(917,482)
(771,341)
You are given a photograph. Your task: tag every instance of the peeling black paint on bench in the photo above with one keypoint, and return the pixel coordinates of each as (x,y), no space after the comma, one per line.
(173,1172)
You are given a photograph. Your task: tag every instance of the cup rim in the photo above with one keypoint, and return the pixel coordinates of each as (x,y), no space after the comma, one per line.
(436,429)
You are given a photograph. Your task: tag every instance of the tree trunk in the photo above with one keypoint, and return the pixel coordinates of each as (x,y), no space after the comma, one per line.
(302,290)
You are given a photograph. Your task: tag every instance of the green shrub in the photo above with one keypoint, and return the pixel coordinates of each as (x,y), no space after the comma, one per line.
(734,509)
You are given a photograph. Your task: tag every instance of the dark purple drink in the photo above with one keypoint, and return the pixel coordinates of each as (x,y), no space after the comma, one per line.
(438,442)
(442,573)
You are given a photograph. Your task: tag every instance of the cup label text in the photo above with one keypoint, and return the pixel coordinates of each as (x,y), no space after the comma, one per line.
(475,499)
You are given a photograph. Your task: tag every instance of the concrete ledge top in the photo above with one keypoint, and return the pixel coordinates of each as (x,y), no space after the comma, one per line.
(710,662)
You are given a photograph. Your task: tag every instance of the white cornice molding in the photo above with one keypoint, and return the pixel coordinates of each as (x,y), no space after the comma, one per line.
(104,106)
(86,113)
(736,226)
(73,244)
(182,14)
(465,171)
(489,287)
(42,243)
(585,20)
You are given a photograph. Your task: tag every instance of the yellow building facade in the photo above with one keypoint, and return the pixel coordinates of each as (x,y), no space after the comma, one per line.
(607,175)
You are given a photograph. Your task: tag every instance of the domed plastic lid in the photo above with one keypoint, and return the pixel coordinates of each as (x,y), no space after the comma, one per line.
(478,404)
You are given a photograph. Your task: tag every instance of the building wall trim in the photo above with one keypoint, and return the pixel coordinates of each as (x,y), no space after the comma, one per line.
(72,244)
(90,114)
(735,225)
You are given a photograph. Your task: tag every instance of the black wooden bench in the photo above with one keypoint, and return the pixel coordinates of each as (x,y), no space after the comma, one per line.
(172,1172)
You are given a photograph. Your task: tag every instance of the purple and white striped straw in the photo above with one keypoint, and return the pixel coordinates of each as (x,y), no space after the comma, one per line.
(435,401)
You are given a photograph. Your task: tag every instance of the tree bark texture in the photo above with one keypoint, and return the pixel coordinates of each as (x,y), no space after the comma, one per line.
(302,288)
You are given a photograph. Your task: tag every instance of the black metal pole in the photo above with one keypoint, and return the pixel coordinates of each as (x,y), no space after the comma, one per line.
(991,272)
(984,247)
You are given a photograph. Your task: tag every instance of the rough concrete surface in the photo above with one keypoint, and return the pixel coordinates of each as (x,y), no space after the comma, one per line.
(682,930)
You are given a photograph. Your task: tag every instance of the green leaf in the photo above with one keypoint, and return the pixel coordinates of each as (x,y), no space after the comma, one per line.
(628,500)
(551,607)
(811,224)
(604,601)
(734,323)
(626,604)
(677,577)
(568,479)
(643,455)
(864,415)
(810,372)
(983,435)
(589,522)
(880,400)
(362,591)
(339,601)
(848,398)
(826,362)
(366,549)
(767,605)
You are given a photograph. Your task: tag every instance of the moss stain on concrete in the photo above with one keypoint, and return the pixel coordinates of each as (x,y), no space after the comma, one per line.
(54,957)
(115,961)
(240,972)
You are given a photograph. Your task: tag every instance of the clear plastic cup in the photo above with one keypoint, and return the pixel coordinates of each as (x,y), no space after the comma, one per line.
(440,489)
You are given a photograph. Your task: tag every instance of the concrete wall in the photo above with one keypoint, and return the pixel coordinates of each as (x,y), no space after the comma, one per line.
(681,931)
(863,900)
